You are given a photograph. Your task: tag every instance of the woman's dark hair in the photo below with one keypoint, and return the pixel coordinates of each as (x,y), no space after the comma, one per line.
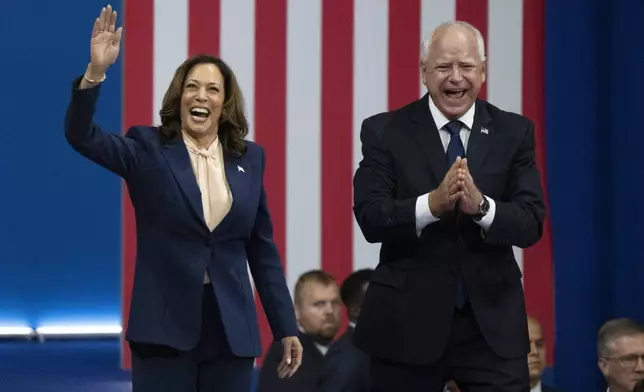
(233,126)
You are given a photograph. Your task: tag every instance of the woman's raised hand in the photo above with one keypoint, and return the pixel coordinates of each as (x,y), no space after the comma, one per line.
(105,43)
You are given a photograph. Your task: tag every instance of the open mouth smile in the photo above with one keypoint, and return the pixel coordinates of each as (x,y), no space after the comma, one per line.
(455,93)
(199,114)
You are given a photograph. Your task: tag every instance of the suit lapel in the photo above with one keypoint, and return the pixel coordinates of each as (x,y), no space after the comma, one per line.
(480,139)
(428,138)
(176,155)
(237,175)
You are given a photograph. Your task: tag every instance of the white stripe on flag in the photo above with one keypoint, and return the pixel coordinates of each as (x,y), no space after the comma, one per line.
(170,46)
(303,155)
(433,13)
(238,49)
(370,94)
(504,52)
(505,65)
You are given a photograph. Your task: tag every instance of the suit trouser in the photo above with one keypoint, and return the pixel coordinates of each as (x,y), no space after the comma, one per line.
(468,360)
(209,367)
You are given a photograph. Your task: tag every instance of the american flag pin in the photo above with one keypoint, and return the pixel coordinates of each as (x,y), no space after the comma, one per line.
(484,131)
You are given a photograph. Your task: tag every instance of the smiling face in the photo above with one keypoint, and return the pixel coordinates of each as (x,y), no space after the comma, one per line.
(453,72)
(201,100)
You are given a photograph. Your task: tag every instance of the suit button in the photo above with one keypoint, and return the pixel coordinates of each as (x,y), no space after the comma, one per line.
(209,241)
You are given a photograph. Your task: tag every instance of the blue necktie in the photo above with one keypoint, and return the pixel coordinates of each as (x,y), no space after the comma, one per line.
(455,149)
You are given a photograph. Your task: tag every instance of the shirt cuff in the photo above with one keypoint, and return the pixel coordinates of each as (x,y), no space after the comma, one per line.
(423,214)
(487,220)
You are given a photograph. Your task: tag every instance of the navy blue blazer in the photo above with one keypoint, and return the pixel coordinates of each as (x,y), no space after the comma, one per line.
(174,244)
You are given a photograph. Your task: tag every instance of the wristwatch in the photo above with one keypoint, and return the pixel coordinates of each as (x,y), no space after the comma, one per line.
(484,208)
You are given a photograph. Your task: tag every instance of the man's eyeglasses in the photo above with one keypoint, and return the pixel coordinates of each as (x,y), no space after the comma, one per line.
(628,361)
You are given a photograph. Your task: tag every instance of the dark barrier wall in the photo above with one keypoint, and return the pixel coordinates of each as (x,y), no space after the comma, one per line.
(60,230)
(594,106)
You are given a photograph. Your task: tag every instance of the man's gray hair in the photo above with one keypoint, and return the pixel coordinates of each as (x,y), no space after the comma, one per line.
(427,42)
(615,329)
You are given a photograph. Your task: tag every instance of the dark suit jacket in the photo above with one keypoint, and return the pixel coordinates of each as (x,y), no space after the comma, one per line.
(175,246)
(545,388)
(352,371)
(407,309)
(333,372)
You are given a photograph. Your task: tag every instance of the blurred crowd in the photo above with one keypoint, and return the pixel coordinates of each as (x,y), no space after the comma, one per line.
(332,363)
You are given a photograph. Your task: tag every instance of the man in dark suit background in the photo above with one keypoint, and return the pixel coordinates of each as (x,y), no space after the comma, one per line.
(537,357)
(446,300)
(620,351)
(355,366)
(318,309)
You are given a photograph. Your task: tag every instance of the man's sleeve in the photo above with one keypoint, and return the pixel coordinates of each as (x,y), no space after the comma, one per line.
(380,215)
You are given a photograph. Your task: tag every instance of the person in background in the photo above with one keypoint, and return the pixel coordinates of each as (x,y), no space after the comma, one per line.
(355,367)
(201,214)
(352,293)
(537,357)
(620,348)
(318,310)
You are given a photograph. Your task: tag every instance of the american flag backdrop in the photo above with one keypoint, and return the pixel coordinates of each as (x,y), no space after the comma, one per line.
(311,71)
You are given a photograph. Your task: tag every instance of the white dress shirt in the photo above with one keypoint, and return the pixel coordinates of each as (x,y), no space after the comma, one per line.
(537,388)
(424,216)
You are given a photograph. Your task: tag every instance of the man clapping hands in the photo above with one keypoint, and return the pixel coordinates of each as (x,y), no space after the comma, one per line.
(458,188)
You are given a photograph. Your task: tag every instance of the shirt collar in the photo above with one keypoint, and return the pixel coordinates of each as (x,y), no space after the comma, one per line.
(441,120)
(191,143)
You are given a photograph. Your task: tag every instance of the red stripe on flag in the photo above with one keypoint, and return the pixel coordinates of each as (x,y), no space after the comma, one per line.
(137,110)
(537,260)
(203,27)
(270,121)
(404,52)
(337,137)
(475,12)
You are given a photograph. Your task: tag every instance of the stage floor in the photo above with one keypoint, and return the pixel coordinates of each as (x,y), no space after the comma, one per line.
(57,366)
(77,365)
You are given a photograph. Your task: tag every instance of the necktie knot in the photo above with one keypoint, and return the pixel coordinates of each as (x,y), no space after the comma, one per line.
(453,127)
